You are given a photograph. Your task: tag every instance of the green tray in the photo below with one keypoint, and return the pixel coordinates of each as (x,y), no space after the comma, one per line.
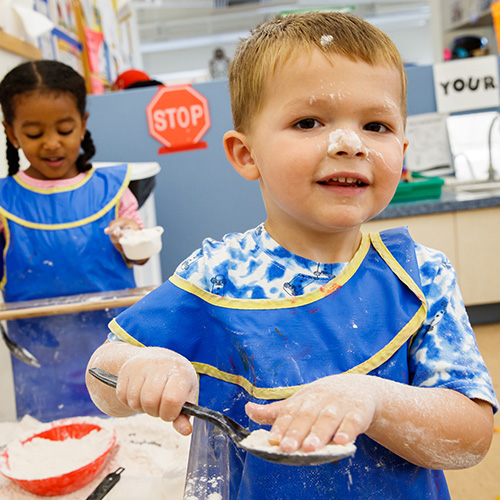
(419,188)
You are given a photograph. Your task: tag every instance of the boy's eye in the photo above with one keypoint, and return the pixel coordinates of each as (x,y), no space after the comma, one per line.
(376,127)
(307,123)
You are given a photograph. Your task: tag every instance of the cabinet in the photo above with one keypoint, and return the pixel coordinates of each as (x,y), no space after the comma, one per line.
(470,240)
(454,18)
(478,243)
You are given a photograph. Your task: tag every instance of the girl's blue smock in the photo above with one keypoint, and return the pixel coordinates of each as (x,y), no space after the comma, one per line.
(54,246)
(55,241)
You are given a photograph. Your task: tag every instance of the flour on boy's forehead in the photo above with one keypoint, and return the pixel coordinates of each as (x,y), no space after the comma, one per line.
(326,39)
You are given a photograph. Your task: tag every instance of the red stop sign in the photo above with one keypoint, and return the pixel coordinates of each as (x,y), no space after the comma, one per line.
(178,117)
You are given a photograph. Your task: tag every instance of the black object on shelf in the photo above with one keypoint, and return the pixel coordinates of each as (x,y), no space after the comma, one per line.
(469,46)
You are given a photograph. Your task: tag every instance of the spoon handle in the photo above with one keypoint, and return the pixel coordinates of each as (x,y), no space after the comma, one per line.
(18,351)
(235,430)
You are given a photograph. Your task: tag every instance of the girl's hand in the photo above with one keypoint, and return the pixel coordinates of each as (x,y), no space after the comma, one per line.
(116,227)
(158,382)
(115,231)
(339,407)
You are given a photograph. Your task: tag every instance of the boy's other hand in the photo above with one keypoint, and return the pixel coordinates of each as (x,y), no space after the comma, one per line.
(339,407)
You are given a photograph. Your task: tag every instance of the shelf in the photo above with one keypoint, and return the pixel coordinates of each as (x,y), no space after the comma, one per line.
(479,20)
(19,47)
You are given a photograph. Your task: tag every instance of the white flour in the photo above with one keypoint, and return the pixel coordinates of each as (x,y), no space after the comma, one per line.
(42,458)
(259,441)
(142,244)
(153,454)
(345,137)
(326,40)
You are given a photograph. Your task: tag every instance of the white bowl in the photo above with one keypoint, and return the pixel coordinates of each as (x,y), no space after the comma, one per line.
(142,244)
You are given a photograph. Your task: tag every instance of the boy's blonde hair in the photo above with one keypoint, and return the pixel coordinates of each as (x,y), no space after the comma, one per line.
(274,42)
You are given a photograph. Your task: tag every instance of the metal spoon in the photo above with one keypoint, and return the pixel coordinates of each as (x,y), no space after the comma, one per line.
(238,433)
(18,351)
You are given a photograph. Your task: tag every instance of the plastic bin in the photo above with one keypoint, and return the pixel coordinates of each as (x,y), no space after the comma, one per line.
(419,187)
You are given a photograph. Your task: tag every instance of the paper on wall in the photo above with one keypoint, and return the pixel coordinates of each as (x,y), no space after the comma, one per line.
(429,143)
(9,21)
(34,23)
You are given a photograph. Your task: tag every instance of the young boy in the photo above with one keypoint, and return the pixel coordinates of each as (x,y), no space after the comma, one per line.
(304,323)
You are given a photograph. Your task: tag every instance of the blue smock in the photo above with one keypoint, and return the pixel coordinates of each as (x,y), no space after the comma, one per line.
(260,350)
(54,246)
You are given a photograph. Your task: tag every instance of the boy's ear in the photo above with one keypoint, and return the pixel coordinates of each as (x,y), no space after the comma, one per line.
(239,155)
(9,132)
(405,145)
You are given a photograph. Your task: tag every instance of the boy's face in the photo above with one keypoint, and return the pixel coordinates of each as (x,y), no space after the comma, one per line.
(327,146)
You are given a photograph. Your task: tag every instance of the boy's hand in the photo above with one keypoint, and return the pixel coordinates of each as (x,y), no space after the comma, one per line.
(158,382)
(436,428)
(339,407)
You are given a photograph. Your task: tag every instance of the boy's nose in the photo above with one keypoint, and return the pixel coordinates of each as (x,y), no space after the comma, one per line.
(345,142)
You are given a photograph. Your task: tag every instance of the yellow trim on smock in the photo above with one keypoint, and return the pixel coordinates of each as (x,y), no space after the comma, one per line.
(274,393)
(286,302)
(67,225)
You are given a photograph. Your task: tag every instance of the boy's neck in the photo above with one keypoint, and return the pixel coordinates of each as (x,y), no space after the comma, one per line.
(328,248)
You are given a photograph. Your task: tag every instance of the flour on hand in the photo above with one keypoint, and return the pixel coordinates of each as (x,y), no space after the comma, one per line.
(259,440)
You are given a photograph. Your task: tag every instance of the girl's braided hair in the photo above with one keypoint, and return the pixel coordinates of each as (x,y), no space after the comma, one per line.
(46,76)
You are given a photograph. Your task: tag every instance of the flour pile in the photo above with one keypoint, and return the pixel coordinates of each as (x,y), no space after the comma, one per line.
(41,458)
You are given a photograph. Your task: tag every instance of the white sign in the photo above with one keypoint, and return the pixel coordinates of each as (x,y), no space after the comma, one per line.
(429,145)
(467,84)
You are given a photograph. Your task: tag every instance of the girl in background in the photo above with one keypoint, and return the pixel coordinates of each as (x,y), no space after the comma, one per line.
(60,222)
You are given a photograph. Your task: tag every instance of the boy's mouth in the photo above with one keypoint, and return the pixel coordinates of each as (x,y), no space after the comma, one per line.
(343,182)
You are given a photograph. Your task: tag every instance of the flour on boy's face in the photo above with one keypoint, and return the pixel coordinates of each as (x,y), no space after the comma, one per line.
(328,144)
(345,138)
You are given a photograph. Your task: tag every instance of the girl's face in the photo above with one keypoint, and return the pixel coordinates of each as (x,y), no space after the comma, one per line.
(49,129)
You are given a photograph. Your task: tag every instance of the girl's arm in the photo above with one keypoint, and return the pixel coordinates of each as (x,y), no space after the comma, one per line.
(129,208)
(430,427)
(151,380)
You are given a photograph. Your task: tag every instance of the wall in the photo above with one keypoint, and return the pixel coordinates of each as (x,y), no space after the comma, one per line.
(413,42)
(8,60)
(198,194)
